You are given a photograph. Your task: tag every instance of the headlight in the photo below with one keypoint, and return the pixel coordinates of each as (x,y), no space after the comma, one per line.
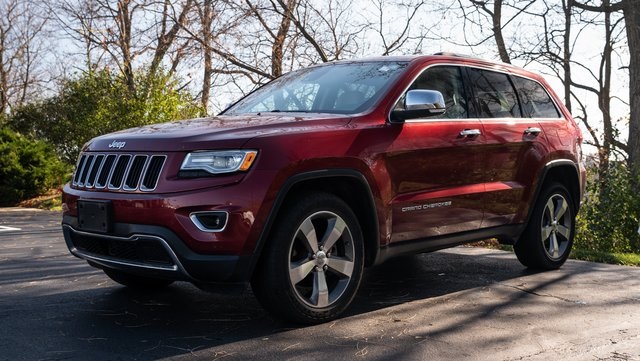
(217,162)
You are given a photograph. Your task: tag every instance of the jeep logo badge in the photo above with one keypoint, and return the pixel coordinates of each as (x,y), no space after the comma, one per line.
(116,144)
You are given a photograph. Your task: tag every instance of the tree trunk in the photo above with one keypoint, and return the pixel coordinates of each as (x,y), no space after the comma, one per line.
(604,99)
(207,20)
(497,31)
(631,9)
(277,50)
(566,59)
(124,25)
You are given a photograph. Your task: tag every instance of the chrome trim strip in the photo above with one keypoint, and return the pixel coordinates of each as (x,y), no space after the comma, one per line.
(200,226)
(561,160)
(177,267)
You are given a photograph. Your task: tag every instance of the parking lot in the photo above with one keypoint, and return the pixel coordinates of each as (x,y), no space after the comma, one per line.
(458,304)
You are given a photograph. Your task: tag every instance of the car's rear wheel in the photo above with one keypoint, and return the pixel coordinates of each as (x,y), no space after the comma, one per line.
(135,281)
(548,238)
(312,266)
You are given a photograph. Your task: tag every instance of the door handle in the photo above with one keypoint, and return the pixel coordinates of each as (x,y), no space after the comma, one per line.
(470,133)
(532,131)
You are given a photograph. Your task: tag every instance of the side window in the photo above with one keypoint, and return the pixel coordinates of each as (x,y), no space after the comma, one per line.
(495,96)
(535,101)
(448,81)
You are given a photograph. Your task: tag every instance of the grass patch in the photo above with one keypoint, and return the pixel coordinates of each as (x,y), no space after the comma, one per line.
(50,201)
(625,259)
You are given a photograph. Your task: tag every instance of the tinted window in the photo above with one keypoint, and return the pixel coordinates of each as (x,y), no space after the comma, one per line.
(534,100)
(448,81)
(344,88)
(494,94)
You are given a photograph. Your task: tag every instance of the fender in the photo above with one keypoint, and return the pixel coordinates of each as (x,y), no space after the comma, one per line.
(542,179)
(307,176)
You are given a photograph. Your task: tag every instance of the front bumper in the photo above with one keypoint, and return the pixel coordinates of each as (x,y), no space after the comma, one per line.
(152,251)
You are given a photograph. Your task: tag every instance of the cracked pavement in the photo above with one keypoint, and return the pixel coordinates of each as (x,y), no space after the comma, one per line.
(457,304)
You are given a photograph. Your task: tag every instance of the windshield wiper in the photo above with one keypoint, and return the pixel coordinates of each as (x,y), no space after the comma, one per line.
(287,111)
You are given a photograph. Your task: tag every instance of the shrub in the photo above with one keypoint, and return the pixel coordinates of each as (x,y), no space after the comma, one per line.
(100,102)
(27,168)
(608,220)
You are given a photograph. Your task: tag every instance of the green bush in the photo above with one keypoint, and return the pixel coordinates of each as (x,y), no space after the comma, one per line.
(608,219)
(100,102)
(27,168)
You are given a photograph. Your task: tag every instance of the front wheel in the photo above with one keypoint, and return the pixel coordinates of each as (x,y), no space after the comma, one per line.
(548,238)
(312,267)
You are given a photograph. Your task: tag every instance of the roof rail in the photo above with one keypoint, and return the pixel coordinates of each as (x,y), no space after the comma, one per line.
(448,53)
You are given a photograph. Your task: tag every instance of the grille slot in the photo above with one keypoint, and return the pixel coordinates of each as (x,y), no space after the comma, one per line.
(124,172)
(150,179)
(135,172)
(97,163)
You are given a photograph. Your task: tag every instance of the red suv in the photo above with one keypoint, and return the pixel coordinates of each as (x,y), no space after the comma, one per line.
(326,170)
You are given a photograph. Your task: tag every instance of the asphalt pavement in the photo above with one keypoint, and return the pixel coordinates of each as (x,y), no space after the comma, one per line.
(457,304)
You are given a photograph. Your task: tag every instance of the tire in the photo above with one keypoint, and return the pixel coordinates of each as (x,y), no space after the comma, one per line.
(135,281)
(312,265)
(548,238)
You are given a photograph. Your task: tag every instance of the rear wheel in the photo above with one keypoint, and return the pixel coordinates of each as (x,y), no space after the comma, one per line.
(312,267)
(548,238)
(135,281)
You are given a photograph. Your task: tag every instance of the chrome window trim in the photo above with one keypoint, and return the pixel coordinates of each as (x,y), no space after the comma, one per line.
(475,66)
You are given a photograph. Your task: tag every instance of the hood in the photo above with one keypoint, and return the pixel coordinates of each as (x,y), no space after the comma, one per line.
(221,132)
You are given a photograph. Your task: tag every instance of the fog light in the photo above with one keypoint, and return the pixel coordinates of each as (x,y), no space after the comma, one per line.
(210,221)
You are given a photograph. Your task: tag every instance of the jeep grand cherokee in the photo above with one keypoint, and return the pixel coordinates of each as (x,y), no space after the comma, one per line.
(300,185)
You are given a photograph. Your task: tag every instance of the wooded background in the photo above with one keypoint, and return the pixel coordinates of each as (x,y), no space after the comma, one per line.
(74,69)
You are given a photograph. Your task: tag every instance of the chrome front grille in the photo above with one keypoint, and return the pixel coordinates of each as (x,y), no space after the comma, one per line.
(127,172)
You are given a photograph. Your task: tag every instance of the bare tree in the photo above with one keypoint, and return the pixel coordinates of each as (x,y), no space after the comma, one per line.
(119,33)
(21,47)
(631,13)
(484,13)
(396,32)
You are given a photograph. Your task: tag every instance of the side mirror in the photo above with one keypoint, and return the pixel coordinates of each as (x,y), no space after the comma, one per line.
(419,103)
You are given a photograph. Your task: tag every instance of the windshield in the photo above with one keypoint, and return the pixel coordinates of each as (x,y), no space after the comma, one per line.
(344,88)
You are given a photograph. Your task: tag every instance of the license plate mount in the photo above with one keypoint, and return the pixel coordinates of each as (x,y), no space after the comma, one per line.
(94,216)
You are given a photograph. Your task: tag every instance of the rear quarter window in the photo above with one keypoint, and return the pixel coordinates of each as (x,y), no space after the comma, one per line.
(534,99)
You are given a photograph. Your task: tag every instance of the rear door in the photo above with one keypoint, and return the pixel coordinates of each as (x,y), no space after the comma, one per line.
(515,145)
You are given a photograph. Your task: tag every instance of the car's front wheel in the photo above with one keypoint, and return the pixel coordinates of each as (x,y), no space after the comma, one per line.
(548,238)
(312,267)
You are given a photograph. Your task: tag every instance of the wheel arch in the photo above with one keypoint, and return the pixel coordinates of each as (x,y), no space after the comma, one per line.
(563,171)
(349,185)
(566,172)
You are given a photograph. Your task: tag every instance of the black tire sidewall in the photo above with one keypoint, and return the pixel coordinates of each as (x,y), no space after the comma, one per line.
(530,249)
(272,284)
